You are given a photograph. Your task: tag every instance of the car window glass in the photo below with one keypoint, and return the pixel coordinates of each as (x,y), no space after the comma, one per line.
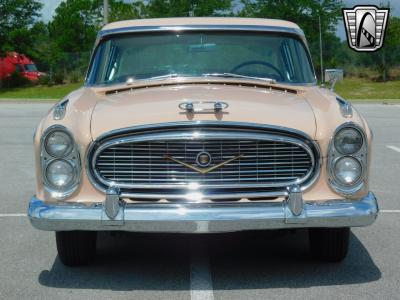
(18,68)
(141,56)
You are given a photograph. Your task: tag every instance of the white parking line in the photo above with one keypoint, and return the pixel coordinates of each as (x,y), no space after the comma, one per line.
(390,210)
(394,148)
(200,275)
(12,215)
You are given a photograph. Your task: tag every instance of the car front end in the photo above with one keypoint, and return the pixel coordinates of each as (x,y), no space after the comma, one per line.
(184,144)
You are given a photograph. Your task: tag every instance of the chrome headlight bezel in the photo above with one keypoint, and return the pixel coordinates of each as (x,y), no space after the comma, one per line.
(361,155)
(339,132)
(72,157)
(69,148)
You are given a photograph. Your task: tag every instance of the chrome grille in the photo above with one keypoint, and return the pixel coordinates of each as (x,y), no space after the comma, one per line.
(139,162)
(261,162)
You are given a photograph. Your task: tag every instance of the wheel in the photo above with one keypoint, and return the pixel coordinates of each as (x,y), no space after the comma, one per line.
(329,244)
(76,248)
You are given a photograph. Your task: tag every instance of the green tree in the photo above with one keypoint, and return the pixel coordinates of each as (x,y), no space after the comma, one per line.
(16,16)
(379,63)
(306,14)
(120,10)
(389,55)
(187,8)
(44,50)
(75,24)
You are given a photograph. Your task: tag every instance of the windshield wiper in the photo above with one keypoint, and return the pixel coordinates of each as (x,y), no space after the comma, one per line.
(166,76)
(233,75)
(225,75)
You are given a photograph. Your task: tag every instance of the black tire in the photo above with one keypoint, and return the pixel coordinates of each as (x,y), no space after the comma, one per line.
(76,248)
(329,244)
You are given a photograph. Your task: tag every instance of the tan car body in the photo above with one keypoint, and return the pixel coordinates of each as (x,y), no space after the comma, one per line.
(93,111)
(258,133)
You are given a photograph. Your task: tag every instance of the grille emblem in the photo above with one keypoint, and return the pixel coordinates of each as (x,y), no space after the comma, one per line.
(203,170)
(203,159)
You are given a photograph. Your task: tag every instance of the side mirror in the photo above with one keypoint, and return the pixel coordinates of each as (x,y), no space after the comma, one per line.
(332,76)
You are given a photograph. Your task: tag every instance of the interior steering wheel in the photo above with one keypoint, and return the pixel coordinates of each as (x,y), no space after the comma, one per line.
(258,62)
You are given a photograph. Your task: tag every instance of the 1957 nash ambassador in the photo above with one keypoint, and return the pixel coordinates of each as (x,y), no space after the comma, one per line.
(201,125)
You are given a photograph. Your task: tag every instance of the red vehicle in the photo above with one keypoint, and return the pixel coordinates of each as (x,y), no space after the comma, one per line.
(15,62)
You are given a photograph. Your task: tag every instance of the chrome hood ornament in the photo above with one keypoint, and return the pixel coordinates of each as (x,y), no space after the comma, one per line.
(203,106)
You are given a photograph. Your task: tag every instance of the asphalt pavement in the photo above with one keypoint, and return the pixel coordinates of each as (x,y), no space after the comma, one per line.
(243,266)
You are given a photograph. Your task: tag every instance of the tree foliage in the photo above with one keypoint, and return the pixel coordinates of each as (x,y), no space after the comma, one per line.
(390,53)
(65,42)
(75,24)
(16,16)
(382,60)
(187,8)
(120,10)
(305,13)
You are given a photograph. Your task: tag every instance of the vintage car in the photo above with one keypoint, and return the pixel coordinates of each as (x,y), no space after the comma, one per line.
(201,125)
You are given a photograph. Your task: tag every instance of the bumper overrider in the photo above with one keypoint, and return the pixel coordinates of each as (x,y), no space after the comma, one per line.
(114,214)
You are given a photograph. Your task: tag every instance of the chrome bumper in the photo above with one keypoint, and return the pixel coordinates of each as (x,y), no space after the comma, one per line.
(203,218)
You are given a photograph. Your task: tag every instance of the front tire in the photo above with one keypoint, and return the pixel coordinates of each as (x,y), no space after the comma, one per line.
(329,244)
(76,248)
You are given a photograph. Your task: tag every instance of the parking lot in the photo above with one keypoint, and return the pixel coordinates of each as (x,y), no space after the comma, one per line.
(230,266)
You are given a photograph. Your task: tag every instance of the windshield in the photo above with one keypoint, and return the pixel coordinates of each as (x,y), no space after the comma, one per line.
(124,59)
(30,68)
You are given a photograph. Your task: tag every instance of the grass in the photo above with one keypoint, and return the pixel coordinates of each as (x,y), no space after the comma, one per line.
(361,89)
(39,92)
(350,88)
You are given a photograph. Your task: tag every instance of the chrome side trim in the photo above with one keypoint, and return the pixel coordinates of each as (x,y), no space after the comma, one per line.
(203,218)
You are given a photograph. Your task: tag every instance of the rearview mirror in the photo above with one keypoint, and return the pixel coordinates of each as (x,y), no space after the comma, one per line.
(332,76)
(202,48)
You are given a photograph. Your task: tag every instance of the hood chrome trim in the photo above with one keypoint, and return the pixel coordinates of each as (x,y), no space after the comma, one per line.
(203,106)
(207,123)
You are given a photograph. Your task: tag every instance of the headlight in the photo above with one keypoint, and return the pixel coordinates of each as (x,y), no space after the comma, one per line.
(60,162)
(348,159)
(58,144)
(348,141)
(60,174)
(347,170)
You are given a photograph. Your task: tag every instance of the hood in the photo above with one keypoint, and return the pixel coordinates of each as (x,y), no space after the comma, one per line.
(161,104)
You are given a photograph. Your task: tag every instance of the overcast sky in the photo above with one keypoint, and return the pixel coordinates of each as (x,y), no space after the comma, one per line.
(50,6)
